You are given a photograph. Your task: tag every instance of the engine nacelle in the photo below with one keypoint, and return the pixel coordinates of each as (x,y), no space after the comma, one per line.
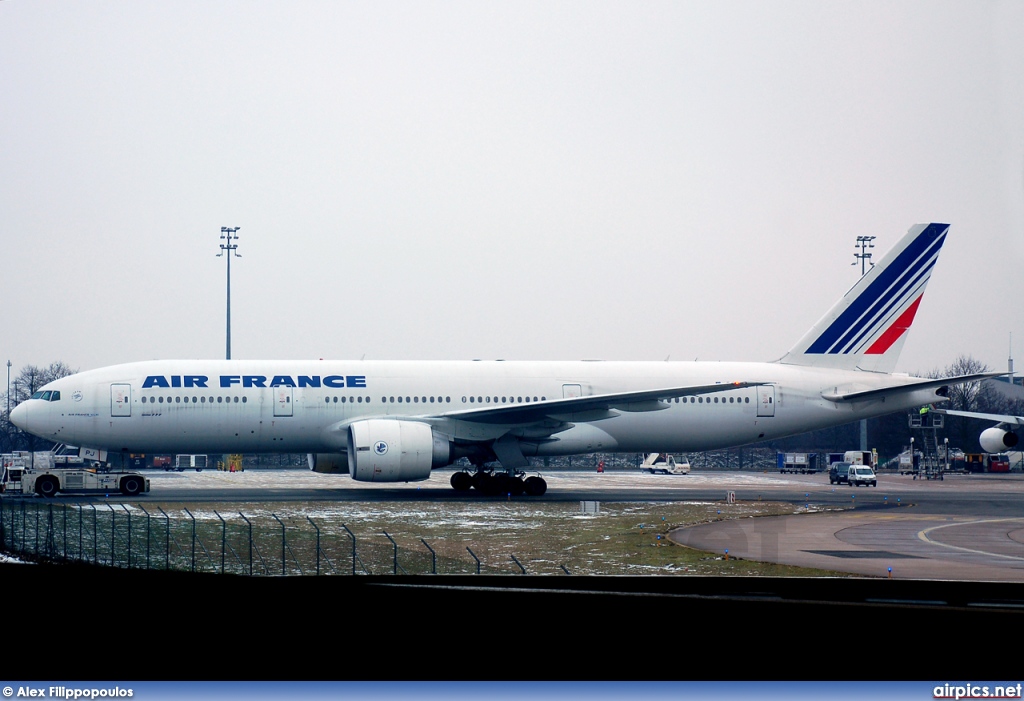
(381,450)
(329,463)
(996,440)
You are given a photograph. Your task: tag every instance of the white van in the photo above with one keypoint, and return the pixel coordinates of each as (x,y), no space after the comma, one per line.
(859,474)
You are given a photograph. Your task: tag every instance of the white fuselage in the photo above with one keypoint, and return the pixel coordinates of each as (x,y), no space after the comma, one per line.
(218,406)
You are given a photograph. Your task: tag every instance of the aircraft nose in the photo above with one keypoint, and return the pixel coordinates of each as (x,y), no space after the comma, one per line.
(19,417)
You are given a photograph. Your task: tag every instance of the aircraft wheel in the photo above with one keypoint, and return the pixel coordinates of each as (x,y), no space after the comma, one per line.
(480,480)
(516,487)
(500,484)
(461,482)
(47,487)
(535,486)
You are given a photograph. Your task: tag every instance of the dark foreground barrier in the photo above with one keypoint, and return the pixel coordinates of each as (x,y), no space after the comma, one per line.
(109,623)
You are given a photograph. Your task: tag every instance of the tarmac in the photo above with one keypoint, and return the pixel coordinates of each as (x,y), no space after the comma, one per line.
(968,528)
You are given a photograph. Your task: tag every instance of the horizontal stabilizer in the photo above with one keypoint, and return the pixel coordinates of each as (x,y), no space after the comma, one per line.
(866,395)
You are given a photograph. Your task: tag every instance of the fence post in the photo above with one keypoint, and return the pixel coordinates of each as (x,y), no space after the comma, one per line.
(95,534)
(518,563)
(193,538)
(394,557)
(112,546)
(250,540)
(167,540)
(223,539)
(148,519)
(475,558)
(81,550)
(129,534)
(282,541)
(353,537)
(317,546)
(433,557)
(64,539)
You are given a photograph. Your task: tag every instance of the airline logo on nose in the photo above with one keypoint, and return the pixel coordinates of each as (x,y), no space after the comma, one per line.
(380,448)
(77,395)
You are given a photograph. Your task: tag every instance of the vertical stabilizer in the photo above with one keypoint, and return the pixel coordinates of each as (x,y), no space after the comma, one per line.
(865,330)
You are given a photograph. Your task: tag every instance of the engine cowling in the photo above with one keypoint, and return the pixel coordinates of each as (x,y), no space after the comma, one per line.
(382,450)
(329,463)
(996,440)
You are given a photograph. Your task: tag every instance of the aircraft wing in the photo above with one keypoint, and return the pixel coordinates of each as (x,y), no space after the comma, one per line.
(999,418)
(908,387)
(644,400)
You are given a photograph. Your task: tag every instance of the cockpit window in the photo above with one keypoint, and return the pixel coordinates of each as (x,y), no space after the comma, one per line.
(45,397)
(37,395)
(55,396)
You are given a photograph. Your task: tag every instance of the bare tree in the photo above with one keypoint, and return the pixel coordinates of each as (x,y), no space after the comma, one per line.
(28,380)
(967,396)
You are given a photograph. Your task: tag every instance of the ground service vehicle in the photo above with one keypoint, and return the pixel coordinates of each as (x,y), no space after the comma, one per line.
(664,464)
(804,463)
(861,457)
(47,482)
(839,473)
(861,475)
(12,467)
(987,462)
(188,462)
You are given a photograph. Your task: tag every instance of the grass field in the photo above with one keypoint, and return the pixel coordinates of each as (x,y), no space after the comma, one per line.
(620,539)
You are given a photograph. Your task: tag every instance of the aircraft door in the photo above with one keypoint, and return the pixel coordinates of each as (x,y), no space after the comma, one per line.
(120,400)
(283,401)
(766,401)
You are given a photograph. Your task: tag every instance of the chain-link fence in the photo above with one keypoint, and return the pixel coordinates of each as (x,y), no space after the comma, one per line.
(134,537)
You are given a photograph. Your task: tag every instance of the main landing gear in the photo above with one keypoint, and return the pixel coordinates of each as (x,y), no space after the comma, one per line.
(494,484)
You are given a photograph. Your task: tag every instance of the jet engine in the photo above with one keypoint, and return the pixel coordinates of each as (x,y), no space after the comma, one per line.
(996,440)
(382,450)
(331,463)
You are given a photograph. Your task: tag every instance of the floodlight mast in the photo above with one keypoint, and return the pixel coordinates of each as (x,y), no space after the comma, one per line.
(863,243)
(227,249)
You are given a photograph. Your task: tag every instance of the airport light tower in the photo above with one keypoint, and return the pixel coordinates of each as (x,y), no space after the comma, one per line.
(863,243)
(227,249)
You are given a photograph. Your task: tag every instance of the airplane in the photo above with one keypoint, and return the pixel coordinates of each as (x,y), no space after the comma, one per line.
(998,438)
(395,421)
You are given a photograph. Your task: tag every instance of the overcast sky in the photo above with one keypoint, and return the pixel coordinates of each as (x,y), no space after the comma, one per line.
(549,180)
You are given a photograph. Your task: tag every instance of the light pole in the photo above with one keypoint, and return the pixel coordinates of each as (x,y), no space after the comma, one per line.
(864,243)
(7,419)
(227,250)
